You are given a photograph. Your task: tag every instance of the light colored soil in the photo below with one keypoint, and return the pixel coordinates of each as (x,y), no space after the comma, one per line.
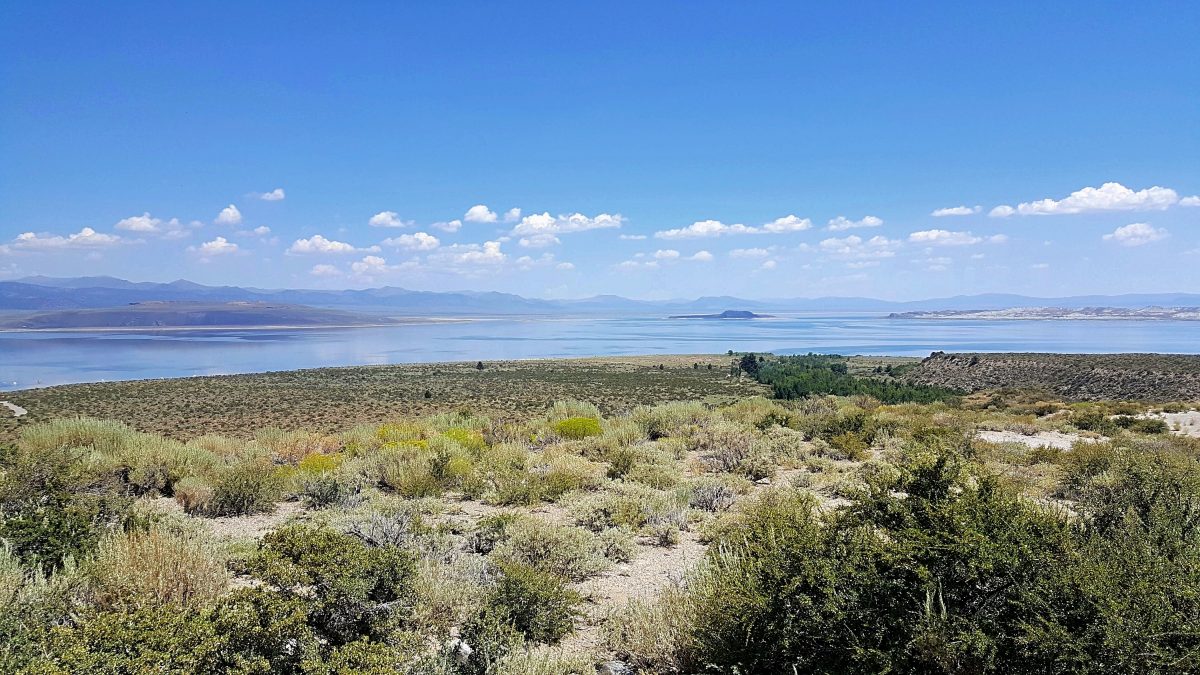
(1183,423)
(17,410)
(240,527)
(1042,439)
(642,578)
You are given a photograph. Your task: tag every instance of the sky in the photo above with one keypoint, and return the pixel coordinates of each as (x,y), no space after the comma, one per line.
(652,150)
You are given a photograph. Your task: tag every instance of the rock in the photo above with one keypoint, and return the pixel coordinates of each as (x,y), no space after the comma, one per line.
(460,650)
(614,668)
(763,481)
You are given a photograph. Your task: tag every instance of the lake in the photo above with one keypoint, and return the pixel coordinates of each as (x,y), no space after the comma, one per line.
(45,358)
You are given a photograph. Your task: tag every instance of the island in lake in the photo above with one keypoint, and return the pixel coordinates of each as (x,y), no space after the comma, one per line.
(727,314)
(1060,313)
(186,314)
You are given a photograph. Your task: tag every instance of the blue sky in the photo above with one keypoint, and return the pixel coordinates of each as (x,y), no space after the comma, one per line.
(679,149)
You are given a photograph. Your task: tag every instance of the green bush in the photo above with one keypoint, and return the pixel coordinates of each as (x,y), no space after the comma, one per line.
(576,428)
(52,507)
(570,552)
(243,489)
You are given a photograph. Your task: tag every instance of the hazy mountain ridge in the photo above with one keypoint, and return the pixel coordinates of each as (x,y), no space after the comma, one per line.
(44,293)
(191,314)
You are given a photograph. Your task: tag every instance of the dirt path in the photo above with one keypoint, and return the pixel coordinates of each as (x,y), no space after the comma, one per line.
(1042,439)
(17,410)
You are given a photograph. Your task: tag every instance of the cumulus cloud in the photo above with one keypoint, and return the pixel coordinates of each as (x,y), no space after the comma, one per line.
(142,223)
(1136,234)
(324,270)
(749,253)
(1002,211)
(470,255)
(418,241)
(787,223)
(319,244)
(701,256)
(706,228)
(512,215)
(855,247)
(86,238)
(632,237)
(218,246)
(666,254)
(388,219)
(714,228)
(544,223)
(956,211)
(565,266)
(842,223)
(948,238)
(539,240)
(449,226)
(261,230)
(1194,200)
(768,265)
(275,195)
(369,265)
(1107,197)
(229,216)
(480,214)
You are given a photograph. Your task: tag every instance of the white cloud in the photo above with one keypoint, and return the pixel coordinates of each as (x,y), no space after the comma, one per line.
(512,215)
(324,270)
(449,226)
(539,240)
(1002,211)
(369,265)
(480,214)
(787,224)
(86,238)
(632,237)
(229,216)
(705,228)
(946,238)
(1137,234)
(218,246)
(842,223)
(701,256)
(388,219)
(142,223)
(768,265)
(1194,200)
(275,195)
(749,253)
(1107,197)
(855,247)
(544,223)
(1040,266)
(262,230)
(319,244)
(666,254)
(458,256)
(565,266)
(956,211)
(418,241)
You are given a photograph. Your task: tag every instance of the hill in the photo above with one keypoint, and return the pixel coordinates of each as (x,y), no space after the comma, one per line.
(192,315)
(1080,377)
(39,292)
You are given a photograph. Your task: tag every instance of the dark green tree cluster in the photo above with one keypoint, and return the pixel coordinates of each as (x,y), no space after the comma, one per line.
(792,377)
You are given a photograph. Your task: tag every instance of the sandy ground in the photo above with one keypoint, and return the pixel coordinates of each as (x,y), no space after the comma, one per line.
(240,527)
(1184,423)
(1042,439)
(17,410)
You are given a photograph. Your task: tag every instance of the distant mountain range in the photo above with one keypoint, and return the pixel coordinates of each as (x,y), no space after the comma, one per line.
(50,293)
(191,314)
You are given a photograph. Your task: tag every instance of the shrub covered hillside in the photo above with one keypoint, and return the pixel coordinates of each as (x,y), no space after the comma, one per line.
(820,534)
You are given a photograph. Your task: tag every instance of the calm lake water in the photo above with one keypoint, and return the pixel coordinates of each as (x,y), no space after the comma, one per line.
(38,359)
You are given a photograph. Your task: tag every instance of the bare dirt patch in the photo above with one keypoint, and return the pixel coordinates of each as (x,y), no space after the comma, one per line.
(1042,439)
